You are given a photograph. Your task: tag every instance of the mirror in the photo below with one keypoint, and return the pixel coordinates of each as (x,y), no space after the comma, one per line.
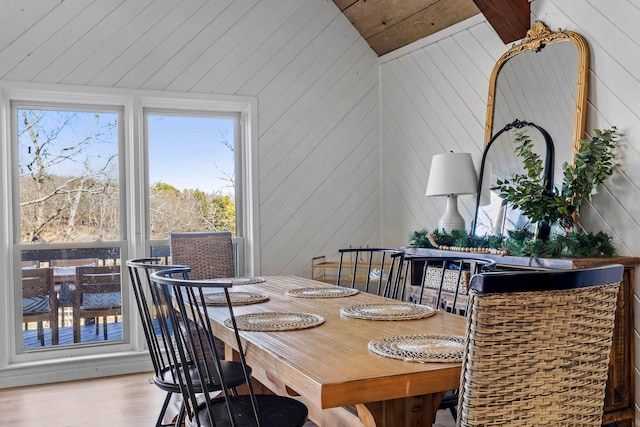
(499,161)
(542,80)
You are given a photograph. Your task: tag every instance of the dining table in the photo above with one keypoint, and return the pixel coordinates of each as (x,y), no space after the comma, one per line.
(329,366)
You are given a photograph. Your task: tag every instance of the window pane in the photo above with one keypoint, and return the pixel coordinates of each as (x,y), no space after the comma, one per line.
(68,175)
(191,173)
(68,190)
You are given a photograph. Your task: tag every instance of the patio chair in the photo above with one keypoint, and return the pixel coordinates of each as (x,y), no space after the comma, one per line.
(443,283)
(538,345)
(372,270)
(64,279)
(167,368)
(98,294)
(186,300)
(39,302)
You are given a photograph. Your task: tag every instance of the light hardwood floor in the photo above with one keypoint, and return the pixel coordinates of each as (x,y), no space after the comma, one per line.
(122,401)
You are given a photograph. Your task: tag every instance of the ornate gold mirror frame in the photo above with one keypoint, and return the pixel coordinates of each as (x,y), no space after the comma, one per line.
(542,80)
(538,37)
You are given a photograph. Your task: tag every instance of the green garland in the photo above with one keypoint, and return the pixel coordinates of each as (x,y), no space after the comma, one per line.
(521,243)
(592,165)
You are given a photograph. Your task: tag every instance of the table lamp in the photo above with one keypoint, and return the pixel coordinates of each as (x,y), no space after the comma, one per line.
(451,175)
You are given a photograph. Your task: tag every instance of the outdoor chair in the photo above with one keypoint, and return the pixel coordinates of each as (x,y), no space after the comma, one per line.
(98,294)
(64,279)
(186,302)
(39,302)
(372,270)
(166,366)
(538,345)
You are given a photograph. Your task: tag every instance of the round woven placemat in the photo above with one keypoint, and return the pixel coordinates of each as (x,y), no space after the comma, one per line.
(420,348)
(235,281)
(237,298)
(387,311)
(275,321)
(336,292)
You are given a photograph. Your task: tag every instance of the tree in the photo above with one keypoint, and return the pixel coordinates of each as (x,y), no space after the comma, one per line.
(68,175)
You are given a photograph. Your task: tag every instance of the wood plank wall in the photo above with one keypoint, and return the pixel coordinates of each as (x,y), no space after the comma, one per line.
(434,96)
(315,78)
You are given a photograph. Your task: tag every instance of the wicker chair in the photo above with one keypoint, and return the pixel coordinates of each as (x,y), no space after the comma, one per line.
(374,270)
(167,368)
(186,300)
(537,351)
(39,302)
(208,254)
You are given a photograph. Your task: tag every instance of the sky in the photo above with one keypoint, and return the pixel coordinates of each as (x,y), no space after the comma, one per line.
(187,152)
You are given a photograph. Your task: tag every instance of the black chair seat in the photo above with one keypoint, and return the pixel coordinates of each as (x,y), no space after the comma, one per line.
(168,378)
(275,411)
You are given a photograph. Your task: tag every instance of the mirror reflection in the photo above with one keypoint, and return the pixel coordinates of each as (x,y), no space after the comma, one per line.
(542,80)
(540,87)
(500,162)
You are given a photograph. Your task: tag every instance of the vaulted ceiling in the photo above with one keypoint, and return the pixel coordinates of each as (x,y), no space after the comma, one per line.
(388,25)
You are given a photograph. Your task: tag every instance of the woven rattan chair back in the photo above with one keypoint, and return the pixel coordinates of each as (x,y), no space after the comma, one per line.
(39,302)
(186,303)
(443,282)
(538,346)
(164,357)
(373,270)
(208,254)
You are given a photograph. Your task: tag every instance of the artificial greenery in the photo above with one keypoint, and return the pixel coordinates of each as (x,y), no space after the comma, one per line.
(592,165)
(521,243)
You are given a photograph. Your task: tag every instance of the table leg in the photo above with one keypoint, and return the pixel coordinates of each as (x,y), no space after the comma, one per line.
(405,412)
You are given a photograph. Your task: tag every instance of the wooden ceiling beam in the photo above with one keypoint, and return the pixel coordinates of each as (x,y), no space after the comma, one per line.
(509,18)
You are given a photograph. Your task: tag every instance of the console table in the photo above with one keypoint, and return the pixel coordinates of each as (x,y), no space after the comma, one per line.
(619,400)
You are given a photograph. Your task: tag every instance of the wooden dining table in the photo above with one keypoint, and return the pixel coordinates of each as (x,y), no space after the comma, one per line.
(330,368)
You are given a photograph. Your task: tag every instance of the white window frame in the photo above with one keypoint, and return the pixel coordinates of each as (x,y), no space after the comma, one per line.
(83,362)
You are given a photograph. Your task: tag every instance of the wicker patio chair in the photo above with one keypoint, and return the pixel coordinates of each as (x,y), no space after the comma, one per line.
(537,351)
(186,299)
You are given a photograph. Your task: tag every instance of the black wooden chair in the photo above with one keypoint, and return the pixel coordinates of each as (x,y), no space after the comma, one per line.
(538,347)
(185,301)
(372,270)
(443,283)
(167,367)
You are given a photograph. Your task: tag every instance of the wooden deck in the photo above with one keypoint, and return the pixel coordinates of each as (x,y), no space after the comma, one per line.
(87,334)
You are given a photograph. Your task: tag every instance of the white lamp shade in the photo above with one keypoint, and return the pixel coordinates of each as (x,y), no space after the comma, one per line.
(452,174)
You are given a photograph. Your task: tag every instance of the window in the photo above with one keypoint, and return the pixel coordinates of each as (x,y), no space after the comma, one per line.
(191,173)
(86,171)
(68,180)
